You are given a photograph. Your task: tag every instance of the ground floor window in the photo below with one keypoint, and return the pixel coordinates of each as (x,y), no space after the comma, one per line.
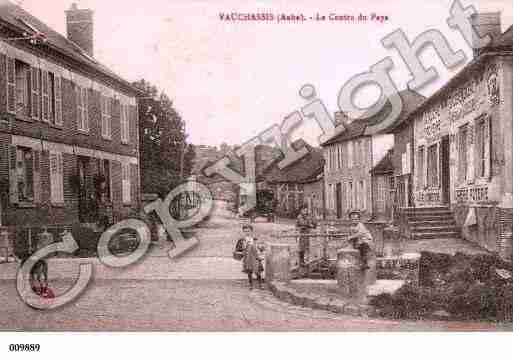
(24,174)
(462,153)
(56,177)
(125,168)
(432,166)
(420,167)
(361,195)
(104,185)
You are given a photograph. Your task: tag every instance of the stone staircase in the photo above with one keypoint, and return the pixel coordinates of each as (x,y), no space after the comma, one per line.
(430,222)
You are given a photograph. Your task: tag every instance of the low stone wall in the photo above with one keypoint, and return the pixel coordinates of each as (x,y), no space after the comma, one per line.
(288,294)
(485,232)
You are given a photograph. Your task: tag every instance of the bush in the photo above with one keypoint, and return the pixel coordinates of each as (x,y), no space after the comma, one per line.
(409,302)
(479,301)
(431,264)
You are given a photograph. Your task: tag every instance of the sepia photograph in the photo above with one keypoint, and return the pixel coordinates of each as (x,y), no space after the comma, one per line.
(255,166)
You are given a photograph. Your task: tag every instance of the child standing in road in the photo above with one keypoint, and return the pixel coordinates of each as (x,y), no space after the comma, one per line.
(253,256)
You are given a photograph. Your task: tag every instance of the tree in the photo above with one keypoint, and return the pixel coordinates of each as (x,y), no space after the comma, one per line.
(166,158)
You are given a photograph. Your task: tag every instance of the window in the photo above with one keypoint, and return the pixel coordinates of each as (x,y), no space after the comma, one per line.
(350,195)
(483,144)
(350,154)
(432,166)
(24,174)
(51,98)
(106,109)
(35,87)
(56,177)
(82,113)
(125,173)
(104,166)
(339,160)
(361,196)
(420,166)
(22,86)
(57,99)
(380,193)
(125,123)
(462,153)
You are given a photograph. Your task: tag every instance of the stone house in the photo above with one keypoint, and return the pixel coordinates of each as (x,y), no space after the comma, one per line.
(463,144)
(298,184)
(69,149)
(350,157)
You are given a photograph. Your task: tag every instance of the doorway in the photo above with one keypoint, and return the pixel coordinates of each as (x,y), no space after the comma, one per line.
(445,168)
(339,200)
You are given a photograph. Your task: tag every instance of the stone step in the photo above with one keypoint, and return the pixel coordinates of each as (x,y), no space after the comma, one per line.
(424,209)
(430,217)
(428,213)
(435,229)
(435,222)
(437,235)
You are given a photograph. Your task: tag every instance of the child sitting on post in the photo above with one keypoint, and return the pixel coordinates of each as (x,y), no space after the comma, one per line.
(360,238)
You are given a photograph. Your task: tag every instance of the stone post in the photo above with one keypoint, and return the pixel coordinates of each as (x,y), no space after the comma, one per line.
(350,278)
(370,274)
(277,263)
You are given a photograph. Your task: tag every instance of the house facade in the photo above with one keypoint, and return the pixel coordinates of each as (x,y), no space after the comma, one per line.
(299,184)
(463,153)
(350,158)
(69,149)
(347,175)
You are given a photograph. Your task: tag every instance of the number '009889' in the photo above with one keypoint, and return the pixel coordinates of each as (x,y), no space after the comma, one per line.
(24,347)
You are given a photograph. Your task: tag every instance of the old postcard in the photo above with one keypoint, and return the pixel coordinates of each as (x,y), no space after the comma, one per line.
(255,166)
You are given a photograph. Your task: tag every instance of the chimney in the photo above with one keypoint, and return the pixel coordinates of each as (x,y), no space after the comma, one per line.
(79,24)
(486,23)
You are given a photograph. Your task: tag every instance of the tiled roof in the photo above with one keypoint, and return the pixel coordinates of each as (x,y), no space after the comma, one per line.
(15,16)
(385,165)
(410,100)
(304,170)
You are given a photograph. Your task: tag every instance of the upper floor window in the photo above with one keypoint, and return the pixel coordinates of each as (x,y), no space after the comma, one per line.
(106,110)
(22,89)
(82,110)
(125,123)
(33,93)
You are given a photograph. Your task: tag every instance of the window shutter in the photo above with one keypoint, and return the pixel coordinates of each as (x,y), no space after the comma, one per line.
(13,178)
(58,101)
(110,110)
(60,177)
(102,111)
(44,90)
(11,85)
(122,122)
(85,108)
(78,107)
(364,195)
(488,148)
(471,139)
(37,176)
(54,177)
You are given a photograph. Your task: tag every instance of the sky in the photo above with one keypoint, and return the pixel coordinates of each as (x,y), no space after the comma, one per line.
(230,81)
